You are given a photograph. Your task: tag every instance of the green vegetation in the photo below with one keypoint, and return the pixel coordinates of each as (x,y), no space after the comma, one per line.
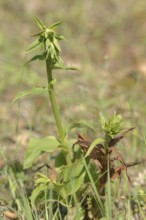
(79,166)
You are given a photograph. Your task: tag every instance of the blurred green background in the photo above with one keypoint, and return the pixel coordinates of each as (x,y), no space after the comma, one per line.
(106,39)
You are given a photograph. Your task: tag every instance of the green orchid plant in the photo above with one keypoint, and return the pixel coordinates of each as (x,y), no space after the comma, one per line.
(81,165)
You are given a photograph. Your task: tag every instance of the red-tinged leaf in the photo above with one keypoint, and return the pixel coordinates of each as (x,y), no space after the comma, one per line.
(115,140)
(97,154)
(131,164)
(119,156)
(94,146)
(83,142)
(116,172)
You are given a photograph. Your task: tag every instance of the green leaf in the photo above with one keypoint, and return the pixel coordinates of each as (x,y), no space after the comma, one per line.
(72,170)
(33,91)
(44,184)
(60,65)
(73,177)
(34,45)
(72,68)
(79,124)
(52,51)
(102,120)
(37,146)
(37,57)
(47,44)
(36,192)
(60,161)
(39,23)
(56,25)
(38,34)
(74,184)
(94,143)
(57,45)
(59,37)
(59,188)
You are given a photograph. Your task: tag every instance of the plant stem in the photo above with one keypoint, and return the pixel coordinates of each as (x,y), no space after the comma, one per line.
(53,102)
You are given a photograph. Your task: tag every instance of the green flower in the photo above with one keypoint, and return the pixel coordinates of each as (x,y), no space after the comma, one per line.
(113,125)
(47,41)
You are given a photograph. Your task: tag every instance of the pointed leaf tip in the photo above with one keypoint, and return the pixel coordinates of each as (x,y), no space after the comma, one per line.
(56,25)
(37,57)
(33,91)
(39,23)
(33,46)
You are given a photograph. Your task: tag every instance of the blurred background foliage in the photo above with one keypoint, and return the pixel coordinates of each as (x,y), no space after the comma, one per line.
(106,39)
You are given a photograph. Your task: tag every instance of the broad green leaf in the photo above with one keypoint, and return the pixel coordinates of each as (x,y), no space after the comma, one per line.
(44,184)
(72,170)
(68,145)
(60,161)
(59,188)
(93,145)
(39,23)
(37,146)
(33,91)
(79,124)
(74,181)
(67,188)
(56,24)
(34,45)
(70,142)
(74,184)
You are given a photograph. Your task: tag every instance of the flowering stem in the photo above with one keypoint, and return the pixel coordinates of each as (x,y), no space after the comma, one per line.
(53,102)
